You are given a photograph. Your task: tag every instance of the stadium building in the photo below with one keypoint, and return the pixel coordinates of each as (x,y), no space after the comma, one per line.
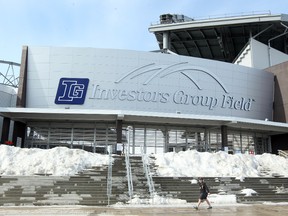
(214,84)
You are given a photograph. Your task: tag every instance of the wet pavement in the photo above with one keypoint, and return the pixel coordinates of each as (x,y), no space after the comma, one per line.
(237,210)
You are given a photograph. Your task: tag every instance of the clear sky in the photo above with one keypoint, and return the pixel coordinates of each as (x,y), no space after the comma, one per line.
(120,24)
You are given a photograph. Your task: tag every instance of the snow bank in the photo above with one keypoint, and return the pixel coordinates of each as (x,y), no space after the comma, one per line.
(64,161)
(60,161)
(192,164)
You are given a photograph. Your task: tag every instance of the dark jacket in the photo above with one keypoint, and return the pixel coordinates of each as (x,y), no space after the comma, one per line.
(203,188)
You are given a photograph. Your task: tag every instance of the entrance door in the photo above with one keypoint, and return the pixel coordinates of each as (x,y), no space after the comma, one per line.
(262,145)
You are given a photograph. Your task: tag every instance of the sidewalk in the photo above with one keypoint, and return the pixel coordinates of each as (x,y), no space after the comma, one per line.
(237,210)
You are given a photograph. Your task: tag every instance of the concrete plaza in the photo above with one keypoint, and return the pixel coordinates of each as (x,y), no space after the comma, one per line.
(237,210)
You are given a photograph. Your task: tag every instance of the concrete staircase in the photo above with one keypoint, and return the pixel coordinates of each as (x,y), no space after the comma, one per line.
(89,187)
(119,179)
(268,188)
(53,190)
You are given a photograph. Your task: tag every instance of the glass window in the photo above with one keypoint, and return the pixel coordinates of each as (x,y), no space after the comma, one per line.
(96,137)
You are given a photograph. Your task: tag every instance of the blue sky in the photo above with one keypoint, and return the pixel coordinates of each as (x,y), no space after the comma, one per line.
(120,24)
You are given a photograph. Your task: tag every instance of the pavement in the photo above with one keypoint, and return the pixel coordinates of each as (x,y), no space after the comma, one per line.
(237,210)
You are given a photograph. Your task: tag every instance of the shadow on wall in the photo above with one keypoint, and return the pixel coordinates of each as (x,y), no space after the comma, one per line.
(279,114)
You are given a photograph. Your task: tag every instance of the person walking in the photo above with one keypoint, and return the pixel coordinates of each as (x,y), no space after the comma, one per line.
(204,192)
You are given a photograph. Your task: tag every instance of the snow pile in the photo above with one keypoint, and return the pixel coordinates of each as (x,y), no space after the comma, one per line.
(59,161)
(156,200)
(62,161)
(248,192)
(192,164)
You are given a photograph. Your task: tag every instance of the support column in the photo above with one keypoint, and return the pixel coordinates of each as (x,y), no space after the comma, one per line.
(166,139)
(119,124)
(224,137)
(21,96)
(166,41)
(19,133)
(5,130)
(206,140)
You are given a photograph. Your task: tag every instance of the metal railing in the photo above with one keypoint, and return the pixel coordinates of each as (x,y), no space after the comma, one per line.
(220,16)
(109,177)
(148,173)
(128,171)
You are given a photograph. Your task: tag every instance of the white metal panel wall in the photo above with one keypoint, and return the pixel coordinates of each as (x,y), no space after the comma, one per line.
(8,96)
(144,81)
(264,57)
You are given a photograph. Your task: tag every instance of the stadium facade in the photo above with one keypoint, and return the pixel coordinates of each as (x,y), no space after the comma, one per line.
(154,102)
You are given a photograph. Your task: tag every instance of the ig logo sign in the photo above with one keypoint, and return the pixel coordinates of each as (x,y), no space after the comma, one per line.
(71,91)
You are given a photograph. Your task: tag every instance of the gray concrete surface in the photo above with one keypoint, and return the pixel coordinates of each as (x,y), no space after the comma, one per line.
(237,210)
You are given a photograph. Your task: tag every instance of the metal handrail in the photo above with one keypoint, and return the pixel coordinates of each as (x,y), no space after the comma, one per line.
(148,173)
(109,177)
(129,173)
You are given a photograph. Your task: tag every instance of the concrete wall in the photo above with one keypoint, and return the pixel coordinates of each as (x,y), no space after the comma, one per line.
(280,104)
(281,92)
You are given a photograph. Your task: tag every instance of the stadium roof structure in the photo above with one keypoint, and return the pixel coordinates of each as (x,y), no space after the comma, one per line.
(9,73)
(220,38)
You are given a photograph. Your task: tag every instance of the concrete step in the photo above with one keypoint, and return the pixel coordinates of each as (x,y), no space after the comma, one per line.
(89,187)
(183,189)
